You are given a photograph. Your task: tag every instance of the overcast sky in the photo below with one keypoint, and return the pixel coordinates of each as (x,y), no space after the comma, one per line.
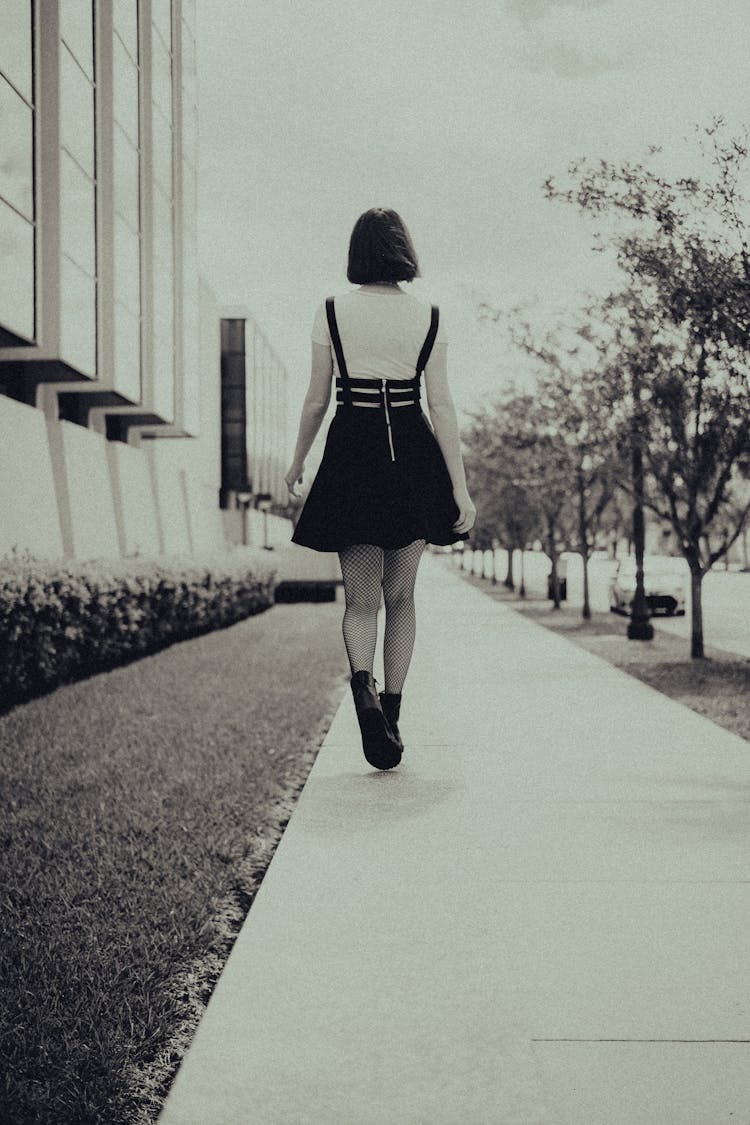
(453,112)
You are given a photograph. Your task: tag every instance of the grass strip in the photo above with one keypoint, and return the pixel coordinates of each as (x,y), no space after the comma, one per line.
(141,809)
(717,687)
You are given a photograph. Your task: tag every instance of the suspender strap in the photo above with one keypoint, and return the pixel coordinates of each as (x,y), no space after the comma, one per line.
(424,355)
(336,338)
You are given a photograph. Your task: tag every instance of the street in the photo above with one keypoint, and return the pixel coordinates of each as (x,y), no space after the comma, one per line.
(726,597)
(726,604)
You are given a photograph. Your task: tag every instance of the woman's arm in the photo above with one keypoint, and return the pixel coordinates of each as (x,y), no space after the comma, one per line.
(445,424)
(313,412)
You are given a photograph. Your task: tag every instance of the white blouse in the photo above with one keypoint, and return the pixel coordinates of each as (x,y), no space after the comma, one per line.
(382,331)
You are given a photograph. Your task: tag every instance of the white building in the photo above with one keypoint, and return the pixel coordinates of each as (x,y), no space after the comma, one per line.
(109,342)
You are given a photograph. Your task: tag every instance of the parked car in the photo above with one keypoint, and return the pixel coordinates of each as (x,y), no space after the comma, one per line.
(665,580)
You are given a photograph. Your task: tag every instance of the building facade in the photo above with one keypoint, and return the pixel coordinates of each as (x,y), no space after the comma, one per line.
(109,342)
(253,410)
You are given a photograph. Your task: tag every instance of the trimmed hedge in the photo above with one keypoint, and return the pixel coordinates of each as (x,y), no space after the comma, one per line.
(64,619)
(298,591)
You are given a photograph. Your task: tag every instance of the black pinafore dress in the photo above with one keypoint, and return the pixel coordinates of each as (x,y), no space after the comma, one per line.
(383,478)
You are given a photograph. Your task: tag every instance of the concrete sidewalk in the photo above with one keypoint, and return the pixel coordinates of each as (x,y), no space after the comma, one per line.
(543,915)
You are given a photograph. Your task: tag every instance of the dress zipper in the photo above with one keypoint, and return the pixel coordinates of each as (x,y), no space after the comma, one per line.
(388,420)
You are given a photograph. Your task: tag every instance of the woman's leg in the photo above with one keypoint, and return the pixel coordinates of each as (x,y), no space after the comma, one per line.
(362,571)
(399,576)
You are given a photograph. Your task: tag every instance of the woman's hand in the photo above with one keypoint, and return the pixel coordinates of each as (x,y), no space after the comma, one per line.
(293,480)
(467,513)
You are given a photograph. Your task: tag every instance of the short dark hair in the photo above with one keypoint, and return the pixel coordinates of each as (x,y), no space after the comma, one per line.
(381,249)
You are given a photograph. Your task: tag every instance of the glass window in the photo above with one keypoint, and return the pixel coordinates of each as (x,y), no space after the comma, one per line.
(162,77)
(127,353)
(162,139)
(16,168)
(15,45)
(126,178)
(77,29)
(163,341)
(77,215)
(190,133)
(189,194)
(77,317)
(127,266)
(189,259)
(188,13)
(191,418)
(188,61)
(125,90)
(164,376)
(163,300)
(76,112)
(161,14)
(162,230)
(17,256)
(190,311)
(125,18)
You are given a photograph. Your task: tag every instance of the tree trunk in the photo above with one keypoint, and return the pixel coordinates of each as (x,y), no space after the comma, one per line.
(639,626)
(583,537)
(509,576)
(522,587)
(696,613)
(586,602)
(745,562)
(494,567)
(555,583)
(554,579)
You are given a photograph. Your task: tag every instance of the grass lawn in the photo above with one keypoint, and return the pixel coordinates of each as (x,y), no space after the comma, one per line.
(717,687)
(141,808)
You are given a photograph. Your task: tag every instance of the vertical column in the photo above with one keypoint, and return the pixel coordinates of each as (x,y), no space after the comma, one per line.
(145,52)
(187,375)
(78,172)
(105,180)
(48,164)
(18,100)
(260,449)
(255,408)
(282,432)
(276,440)
(161,184)
(119,24)
(266,415)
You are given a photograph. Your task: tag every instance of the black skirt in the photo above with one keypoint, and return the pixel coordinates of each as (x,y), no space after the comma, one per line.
(377,485)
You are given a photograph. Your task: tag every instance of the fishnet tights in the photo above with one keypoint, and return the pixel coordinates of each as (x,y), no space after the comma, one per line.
(368,572)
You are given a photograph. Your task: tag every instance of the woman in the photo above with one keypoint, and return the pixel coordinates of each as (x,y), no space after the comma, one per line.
(388,482)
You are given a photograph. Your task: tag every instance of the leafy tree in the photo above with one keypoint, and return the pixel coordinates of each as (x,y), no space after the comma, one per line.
(506,512)
(686,332)
(616,519)
(488,498)
(576,399)
(738,492)
(517,442)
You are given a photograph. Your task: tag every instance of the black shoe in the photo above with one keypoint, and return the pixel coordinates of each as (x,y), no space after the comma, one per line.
(390,701)
(380,747)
